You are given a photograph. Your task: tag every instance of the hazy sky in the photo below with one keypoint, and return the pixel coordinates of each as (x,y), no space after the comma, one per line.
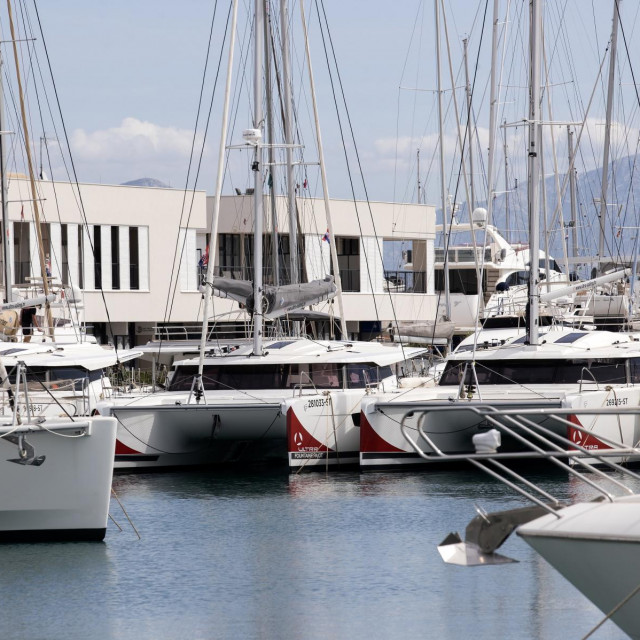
(129,74)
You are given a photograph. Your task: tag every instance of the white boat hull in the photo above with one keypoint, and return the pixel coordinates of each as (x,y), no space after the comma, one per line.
(623,429)
(383,444)
(324,431)
(66,497)
(596,547)
(179,435)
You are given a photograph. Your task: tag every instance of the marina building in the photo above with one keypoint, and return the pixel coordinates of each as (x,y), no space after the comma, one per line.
(138,254)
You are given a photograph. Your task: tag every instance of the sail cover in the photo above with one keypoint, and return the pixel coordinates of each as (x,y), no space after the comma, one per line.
(277,301)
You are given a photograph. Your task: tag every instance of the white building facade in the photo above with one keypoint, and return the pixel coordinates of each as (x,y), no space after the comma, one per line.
(135,253)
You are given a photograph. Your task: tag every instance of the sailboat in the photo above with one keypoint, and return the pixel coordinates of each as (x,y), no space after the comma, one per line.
(227,407)
(532,368)
(55,472)
(595,544)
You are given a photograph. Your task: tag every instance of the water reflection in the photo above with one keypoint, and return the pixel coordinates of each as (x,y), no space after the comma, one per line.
(266,555)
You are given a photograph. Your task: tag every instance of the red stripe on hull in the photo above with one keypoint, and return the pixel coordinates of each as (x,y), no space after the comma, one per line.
(586,441)
(122,449)
(298,438)
(370,440)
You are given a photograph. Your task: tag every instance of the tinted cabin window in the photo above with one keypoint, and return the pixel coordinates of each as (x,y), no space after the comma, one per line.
(525,372)
(359,375)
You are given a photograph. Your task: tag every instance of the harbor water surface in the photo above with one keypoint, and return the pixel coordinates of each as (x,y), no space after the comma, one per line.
(262,554)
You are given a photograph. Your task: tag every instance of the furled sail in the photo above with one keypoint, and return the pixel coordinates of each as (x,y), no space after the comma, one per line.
(278,301)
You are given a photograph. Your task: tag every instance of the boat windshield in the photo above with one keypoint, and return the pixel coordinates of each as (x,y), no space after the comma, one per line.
(64,378)
(525,372)
(222,377)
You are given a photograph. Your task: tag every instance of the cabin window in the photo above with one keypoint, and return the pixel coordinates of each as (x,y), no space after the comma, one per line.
(360,374)
(517,279)
(63,378)
(460,281)
(525,372)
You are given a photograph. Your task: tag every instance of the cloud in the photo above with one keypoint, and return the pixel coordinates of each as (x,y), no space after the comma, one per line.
(133,140)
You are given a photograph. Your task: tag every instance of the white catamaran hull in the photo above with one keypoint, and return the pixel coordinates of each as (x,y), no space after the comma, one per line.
(602,431)
(324,431)
(177,435)
(596,547)
(384,445)
(60,489)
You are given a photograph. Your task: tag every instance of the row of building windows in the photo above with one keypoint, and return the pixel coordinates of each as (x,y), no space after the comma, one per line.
(67,254)
(235,259)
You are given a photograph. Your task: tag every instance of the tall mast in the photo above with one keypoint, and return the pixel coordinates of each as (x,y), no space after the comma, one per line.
(288,140)
(34,193)
(443,188)
(213,231)
(507,214)
(323,175)
(607,129)
(493,102)
(534,171)
(271,148)
(258,122)
(470,127)
(572,194)
(6,228)
(418,174)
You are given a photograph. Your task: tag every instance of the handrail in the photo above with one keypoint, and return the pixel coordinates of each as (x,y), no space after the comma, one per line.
(518,419)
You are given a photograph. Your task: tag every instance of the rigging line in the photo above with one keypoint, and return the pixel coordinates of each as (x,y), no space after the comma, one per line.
(53,124)
(467,133)
(173,278)
(75,175)
(321,2)
(27,22)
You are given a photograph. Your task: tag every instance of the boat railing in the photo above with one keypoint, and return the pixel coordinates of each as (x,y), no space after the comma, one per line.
(582,379)
(537,440)
(488,531)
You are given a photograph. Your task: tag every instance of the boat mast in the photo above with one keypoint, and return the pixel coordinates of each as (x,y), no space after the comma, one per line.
(323,175)
(493,102)
(572,194)
(6,228)
(256,166)
(534,171)
(213,231)
(34,193)
(607,128)
(288,140)
(418,175)
(470,128)
(275,260)
(443,188)
(506,183)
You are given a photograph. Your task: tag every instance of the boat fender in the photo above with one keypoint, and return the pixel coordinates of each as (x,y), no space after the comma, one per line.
(487,442)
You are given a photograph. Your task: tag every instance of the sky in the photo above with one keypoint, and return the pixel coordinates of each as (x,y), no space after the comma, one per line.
(129,73)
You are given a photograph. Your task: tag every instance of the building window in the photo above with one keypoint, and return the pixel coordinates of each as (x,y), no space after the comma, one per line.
(230,256)
(21,252)
(97,256)
(64,240)
(80,258)
(134,259)
(115,257)
(348,251)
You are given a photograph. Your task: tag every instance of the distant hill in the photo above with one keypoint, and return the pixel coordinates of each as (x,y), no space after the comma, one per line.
(146,182)
(624,184)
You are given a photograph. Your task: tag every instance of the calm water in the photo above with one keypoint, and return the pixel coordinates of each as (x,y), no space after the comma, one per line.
(266,555)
